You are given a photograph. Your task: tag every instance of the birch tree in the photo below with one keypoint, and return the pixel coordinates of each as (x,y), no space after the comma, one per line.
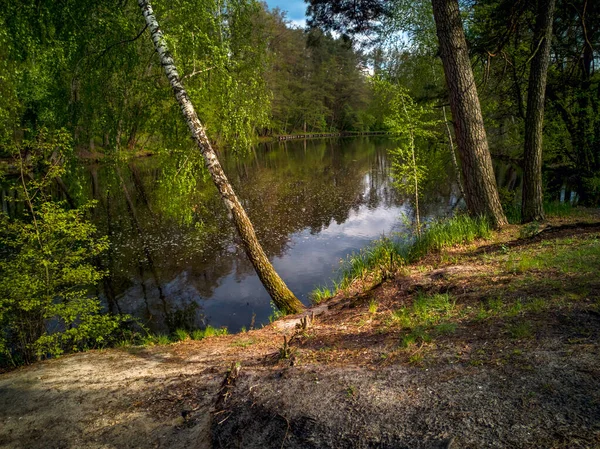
(281,295)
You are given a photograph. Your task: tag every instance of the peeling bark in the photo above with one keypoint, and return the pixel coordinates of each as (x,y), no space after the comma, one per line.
(283,298)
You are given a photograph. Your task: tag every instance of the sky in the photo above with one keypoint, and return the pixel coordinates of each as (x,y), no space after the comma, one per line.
(296,10)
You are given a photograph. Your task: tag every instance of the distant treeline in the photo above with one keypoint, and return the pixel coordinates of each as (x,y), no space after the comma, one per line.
(90,68)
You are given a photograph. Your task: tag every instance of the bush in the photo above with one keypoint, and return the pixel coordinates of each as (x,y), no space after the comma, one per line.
(46,256)
(45,308)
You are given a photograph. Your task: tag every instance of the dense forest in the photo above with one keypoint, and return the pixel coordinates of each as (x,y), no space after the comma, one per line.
(90,68)
(457,84)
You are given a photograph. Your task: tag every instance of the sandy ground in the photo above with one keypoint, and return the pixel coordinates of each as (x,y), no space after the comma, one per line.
(345,381)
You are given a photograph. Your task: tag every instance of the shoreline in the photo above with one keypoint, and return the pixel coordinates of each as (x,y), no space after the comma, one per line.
(489,344)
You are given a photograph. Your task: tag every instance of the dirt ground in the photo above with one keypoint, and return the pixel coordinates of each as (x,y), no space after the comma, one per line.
(512,361)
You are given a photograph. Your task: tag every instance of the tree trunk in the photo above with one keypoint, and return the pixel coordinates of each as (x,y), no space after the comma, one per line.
(283,298)
(453,154)
(532,208)
(481,192)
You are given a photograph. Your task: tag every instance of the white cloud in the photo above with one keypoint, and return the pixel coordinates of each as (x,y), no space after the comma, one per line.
(297,23)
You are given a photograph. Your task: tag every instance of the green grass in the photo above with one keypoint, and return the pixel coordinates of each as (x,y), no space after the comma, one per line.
(320,294)
(180,335)
(418,335)
(426,310)
(162,339)
(243,343)
(381,259)
(209,331)
(445,328)
(442,234)
(428,314)
(372,307)
(520,330)
(576,256)
(551,209)
(384,257)
(522,262)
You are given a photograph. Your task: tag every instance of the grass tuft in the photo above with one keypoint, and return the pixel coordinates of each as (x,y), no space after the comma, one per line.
(180,335)
(209,331)
(162,339)
(321,294)
(373,307)
(442,234)
(521,330)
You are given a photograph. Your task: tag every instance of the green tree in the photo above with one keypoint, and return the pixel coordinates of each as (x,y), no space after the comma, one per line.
(47,267)
(480,187)
(409,121)
(283,298)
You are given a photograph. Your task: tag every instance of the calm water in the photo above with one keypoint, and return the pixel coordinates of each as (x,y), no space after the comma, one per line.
(174,253)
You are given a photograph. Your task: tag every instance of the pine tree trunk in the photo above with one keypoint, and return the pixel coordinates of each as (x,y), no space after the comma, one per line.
(481,192)
(453,154)
(283,298)
(532,208)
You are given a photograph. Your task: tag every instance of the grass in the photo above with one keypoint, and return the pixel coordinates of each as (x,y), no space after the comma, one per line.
(180,335)
(243,343)
(427,314)
(551,209)
(372,307)
(384,257)
(209,331)
(567,256)
(162,339)
(380,259)
(442,234)
(520,330)
(320,294)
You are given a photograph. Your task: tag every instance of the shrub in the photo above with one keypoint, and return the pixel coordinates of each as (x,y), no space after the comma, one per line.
(45,308)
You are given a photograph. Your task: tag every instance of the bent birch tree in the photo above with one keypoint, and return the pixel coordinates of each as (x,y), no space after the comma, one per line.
(281,295)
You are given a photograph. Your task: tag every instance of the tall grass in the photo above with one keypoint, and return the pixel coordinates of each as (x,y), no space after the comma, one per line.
(380,259)
(384,257)
(441,234)
(551,209)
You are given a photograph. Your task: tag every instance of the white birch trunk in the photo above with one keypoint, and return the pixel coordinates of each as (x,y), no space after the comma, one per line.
(283,298)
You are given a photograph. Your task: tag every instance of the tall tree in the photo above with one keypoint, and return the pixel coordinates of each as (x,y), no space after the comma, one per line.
(481,191)
(532,207)
(479,182)
(283,298)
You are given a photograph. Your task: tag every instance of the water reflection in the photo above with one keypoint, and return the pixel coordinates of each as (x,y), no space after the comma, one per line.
(175,260)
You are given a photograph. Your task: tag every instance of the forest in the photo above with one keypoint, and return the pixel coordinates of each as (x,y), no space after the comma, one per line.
(82,80)
(395,179)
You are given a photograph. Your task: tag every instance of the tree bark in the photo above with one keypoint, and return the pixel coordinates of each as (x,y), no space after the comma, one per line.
(532,208)
(481,192)
(283,298)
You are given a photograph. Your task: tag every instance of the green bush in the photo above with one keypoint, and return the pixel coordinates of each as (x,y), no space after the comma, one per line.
(46,261)
(47,270)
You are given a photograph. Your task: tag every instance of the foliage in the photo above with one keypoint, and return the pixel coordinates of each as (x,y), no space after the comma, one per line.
(45,308)
(408,121)
(46,257)
(441,234)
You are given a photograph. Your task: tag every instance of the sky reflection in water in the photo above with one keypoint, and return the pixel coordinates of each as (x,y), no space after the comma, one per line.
(312,203)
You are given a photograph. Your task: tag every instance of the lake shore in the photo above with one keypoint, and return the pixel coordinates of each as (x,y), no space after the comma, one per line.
(491,344)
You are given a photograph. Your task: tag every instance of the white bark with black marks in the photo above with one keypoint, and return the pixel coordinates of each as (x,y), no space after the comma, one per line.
(283,298)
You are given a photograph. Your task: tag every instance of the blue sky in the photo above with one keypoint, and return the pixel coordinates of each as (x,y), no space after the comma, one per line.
(296,10)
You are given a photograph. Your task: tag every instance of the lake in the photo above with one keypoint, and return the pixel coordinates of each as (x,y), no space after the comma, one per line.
(175,259)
